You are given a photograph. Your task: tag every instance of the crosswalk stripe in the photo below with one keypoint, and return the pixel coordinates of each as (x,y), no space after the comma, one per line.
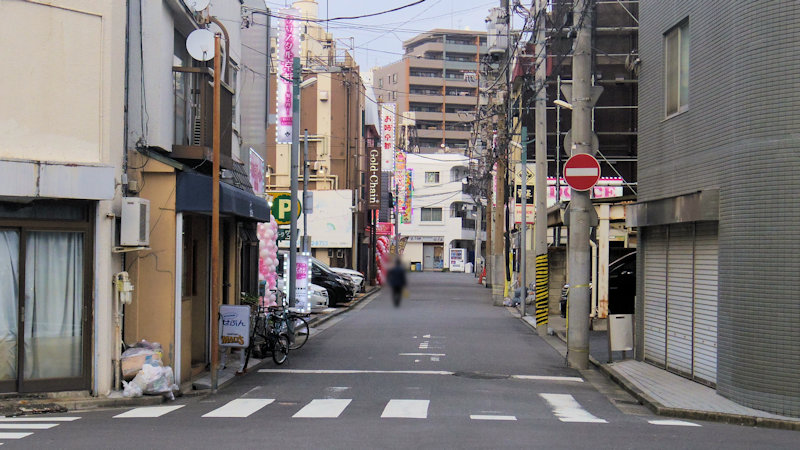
(38,419)
(678,423)
(27,426)
(147,411)
(491,417)
(323,408)
(14,435)
(412,409)
(569,410)
(241,407)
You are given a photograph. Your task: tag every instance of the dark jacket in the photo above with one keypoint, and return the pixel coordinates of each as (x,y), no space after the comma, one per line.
(396,277)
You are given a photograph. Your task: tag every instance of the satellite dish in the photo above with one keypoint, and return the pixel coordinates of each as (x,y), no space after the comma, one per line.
(200,44)
(197,5)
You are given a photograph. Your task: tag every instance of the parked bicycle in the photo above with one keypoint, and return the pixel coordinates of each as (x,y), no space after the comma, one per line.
(268,335)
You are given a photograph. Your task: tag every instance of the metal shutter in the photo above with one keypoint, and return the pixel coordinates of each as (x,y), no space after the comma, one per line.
(655,293)
(679,297)
(705,298)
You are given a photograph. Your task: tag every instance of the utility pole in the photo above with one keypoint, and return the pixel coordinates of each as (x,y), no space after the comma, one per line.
(498,264)
(489,264)
(579,208)
(295,164)
(215,273)
(540,190)
(306,205)
(523,238)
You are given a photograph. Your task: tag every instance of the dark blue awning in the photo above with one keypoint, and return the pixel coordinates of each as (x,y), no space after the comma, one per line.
(193,194)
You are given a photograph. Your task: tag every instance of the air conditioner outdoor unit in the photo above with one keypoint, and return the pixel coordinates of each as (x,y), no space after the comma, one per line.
(135,227)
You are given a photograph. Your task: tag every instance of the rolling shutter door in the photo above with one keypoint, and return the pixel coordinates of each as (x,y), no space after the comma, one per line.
(655,294)
(705,297)
(679,298)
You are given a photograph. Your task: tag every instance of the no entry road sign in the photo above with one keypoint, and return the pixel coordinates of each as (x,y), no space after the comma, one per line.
(582,171)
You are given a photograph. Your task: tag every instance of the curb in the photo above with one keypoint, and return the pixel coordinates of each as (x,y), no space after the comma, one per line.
(56,405)
(681,413)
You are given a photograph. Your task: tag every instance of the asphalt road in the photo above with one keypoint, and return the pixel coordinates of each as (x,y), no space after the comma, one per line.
(445,370)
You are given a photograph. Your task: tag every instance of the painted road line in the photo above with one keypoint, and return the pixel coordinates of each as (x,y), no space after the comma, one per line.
(677,423)
(323,408)
(355,372)
(14,435)
(27,426)
(491,417)
(409,409)
(148,411)
(241,407)
(38,419)
(422,354)
(569,410)
(547,378)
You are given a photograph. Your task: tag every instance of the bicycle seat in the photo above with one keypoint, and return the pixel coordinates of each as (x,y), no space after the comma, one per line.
(274,308)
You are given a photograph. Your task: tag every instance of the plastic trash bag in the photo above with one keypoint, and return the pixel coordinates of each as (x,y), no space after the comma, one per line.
(131,389)
(156,380)
(134,358)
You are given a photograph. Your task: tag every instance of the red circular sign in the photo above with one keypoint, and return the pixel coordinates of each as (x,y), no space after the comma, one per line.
(582,171)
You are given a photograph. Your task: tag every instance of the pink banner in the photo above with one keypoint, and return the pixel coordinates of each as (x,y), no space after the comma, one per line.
(288,49)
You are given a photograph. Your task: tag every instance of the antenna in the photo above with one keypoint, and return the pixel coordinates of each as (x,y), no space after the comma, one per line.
(200,44)
(197,5)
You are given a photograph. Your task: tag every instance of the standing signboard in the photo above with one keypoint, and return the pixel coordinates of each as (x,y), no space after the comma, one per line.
(301,304)
(234,326)
(457,259)
(288,49)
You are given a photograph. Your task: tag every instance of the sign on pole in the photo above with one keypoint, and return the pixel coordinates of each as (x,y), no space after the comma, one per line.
(288,49)
(582,171)
(282,207)
(387,130)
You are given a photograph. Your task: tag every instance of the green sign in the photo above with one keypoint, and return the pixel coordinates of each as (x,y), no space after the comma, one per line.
(283,234)
(282,207)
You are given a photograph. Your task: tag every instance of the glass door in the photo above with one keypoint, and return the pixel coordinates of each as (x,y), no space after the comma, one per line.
(9,309)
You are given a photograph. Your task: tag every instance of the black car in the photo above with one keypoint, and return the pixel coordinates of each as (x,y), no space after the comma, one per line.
(335,284)
(621,286)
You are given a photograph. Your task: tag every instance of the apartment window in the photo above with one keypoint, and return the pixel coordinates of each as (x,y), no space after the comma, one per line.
(431,177)
(676,63)
(380,82)
(431,214)
(394,78)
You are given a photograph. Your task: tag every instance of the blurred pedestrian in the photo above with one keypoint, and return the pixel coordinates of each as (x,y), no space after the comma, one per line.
(396,278)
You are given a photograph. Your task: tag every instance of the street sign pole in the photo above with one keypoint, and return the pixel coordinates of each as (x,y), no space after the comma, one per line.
(293,183)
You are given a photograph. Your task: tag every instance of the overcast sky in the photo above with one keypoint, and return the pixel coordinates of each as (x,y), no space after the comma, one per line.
(378,40)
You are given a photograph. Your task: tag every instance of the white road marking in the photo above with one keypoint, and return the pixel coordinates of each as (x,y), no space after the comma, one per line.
(410,409)
(434,358)
(491,417)
(27,426)
(423,345)
(241,407)
(428,336)
(569,410)
(148,411)
(422,354)
(547,378)
(323,408)
(356,371)
(38,419)
(678,423)
(14,435)
(581,172)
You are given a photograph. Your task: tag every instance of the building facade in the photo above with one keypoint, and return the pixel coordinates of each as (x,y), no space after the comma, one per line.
(61,162)
(718,154)
(437,81)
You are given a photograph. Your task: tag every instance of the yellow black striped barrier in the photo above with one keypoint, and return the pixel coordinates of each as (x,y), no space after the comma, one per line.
(542,289)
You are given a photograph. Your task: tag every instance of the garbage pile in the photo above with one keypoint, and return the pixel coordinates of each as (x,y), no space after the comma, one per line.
(144,373)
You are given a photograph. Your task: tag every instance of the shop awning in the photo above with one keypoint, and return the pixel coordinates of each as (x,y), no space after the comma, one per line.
(193,194)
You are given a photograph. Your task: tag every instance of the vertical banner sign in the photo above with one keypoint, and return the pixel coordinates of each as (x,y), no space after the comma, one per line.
(374,179)
(256,172)
(288,49)
(400,181)
(302,305)
(388,122)
(409,187)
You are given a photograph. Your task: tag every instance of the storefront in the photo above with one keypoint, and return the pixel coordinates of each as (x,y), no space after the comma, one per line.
(46,249)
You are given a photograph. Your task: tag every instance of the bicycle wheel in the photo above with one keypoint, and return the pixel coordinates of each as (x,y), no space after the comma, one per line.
(281,349)
(301,333)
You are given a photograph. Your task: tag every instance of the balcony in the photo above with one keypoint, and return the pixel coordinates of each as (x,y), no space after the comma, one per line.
(425,98)
(194,118)
(470,100)
(426,81)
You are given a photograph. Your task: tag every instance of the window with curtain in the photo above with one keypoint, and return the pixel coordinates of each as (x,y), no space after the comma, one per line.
(9,292)
(431,214)
(676,64)
(54,264)
(431,177)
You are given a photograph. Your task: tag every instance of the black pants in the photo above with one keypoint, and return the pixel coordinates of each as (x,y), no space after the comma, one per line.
(397,295)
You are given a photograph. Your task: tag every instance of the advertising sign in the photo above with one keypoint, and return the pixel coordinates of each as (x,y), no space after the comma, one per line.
(388,124)
(282,207)
(332,226)
(400,181)
(457,259)
(301,304)
(256,172)
(384,229)
(374,179)
(405,217)
(288,49)
(234,326)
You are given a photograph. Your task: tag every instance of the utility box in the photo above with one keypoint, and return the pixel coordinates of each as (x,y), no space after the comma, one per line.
(620,332)
(135,226)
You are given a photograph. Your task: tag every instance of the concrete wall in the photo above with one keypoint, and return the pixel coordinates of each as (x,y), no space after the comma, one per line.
(739,135)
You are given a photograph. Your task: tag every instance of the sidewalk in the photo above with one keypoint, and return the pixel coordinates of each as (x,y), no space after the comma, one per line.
(665,393)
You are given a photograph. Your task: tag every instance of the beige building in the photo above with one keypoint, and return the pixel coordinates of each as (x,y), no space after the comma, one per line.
(436,80)
(61,159)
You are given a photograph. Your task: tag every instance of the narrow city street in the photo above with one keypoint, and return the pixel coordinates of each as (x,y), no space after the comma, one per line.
(445,370)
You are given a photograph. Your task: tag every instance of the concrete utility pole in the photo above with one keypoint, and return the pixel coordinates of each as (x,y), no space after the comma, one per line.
(498,242)
(216,292)
(295,165)
(523,238)
(489,264)
(306,207)
(580,205)
(540,191)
